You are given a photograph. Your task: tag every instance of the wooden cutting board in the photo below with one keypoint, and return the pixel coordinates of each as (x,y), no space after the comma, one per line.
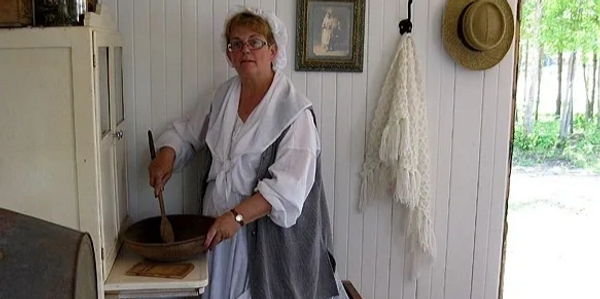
(164,270)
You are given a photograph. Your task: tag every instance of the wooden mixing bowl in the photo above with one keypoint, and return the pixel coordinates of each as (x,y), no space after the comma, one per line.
(143,237)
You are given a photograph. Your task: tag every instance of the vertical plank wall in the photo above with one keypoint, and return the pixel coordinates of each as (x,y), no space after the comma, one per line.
(173,60)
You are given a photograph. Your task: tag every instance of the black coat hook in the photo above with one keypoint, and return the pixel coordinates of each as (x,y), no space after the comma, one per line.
(406,25)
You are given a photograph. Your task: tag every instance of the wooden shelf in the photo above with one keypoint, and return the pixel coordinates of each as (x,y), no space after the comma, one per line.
(119,285)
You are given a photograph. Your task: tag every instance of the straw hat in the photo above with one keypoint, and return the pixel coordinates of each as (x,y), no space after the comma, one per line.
(478,33)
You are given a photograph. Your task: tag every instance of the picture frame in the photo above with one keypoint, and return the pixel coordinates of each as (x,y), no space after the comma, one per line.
(330,35)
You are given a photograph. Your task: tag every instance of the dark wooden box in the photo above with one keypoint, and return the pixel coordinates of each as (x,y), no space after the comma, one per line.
(16,13)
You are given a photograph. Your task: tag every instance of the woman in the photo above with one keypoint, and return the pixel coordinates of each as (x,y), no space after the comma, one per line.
(328,28)
(271,237)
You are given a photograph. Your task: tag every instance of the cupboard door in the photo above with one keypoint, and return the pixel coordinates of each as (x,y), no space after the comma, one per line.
(103,90)
(121,144)
(108,206)
(113,206)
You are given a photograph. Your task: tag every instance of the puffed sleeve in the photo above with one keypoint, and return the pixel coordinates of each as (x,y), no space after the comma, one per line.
(293,172)
(185,136)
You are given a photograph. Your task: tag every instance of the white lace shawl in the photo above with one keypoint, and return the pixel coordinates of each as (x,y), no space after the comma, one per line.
(397,158)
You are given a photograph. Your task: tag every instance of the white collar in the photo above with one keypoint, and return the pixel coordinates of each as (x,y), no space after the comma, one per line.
(280,106)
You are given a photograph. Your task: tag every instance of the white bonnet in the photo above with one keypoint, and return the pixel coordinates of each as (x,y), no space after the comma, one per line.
(277,27)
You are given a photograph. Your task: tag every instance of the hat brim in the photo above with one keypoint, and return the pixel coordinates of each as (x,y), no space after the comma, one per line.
(472,59)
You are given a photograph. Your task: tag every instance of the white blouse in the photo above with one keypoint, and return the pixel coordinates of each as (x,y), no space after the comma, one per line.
(293,172)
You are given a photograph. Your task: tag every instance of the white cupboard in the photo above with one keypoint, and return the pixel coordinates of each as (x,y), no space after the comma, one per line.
(62,138)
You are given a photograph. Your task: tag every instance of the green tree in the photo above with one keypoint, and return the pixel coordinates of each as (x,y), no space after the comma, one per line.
(554,35)
(526,35)
(569,26)
(531,26)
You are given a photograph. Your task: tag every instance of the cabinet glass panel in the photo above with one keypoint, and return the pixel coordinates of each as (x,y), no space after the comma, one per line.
(119,109)
(103,90)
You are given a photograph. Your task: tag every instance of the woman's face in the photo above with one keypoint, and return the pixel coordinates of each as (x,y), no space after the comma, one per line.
(255,56)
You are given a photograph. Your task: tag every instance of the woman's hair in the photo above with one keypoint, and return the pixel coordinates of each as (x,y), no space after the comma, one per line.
(252,21)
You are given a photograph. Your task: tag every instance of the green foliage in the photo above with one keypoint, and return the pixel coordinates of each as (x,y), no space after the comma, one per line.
(583,147)
(544,146)
(537,147)
(566,25)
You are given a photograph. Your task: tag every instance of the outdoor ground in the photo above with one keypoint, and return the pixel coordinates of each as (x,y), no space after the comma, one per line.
(553,242)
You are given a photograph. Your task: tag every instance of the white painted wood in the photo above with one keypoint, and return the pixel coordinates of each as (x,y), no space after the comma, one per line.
(270,5)
(157,20)
(220,55)
(121,178)
(54,124)
(233,3)
(486,169)
(189,78)
(469,189)
(147,204)
(220,66)
(158,93)
(328,106)
(125,15)
(444,169)
(119,144)
(314,80)
(173,101)
(90,217)
(285,11)
(499,195)
(111,182)
(252,3)
(299,78)
(104,43)
(357,146)
(149,293)
(342,170)
(431,72)
(102,17)
(112,6)
(398,279)
(463,192)
(505,113)
(107,153)
(25,113)
(374,281)
(207,62)
(121,128)
(383,224)
(110,225)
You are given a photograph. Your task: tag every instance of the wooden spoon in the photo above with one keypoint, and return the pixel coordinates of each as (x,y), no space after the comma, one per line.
(166,230)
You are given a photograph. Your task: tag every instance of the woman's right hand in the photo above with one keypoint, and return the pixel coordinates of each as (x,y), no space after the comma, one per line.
(161,169)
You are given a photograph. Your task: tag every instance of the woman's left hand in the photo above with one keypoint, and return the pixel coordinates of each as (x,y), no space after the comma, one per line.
(223,228)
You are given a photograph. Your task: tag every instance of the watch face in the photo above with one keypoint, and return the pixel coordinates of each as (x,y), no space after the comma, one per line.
(239,218)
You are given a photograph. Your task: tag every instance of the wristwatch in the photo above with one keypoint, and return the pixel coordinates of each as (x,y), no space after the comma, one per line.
(237,216)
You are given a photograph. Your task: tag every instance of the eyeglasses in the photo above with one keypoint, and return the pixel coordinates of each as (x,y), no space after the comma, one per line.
(253,44)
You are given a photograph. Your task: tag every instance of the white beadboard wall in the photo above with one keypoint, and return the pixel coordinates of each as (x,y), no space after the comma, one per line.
(173,61)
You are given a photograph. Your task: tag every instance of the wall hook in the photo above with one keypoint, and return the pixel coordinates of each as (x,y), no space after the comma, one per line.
(406,25)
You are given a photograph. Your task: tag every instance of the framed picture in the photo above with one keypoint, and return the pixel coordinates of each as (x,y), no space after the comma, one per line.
(330,35)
